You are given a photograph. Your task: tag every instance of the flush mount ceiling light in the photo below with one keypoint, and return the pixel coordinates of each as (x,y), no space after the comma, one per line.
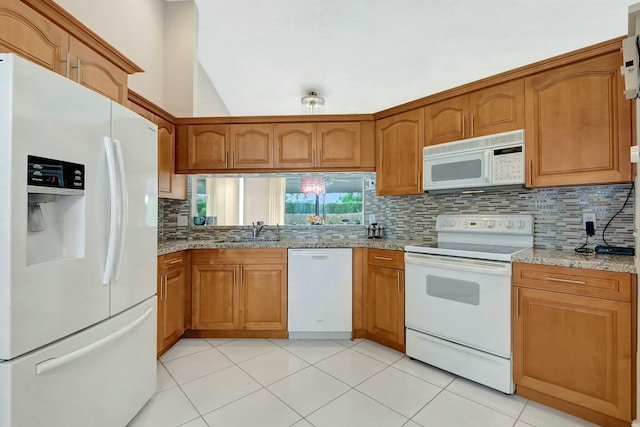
(312,103)
(312,185)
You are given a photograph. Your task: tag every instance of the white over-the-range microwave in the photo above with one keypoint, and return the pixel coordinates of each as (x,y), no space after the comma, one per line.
(475,164)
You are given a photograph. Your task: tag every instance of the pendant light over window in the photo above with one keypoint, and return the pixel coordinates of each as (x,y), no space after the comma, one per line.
(312,103)
(312,185)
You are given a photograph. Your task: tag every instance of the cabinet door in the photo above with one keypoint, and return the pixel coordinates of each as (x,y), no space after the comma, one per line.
(338,144)
(574,348)
(399,143)
(170,185)
(577,122)
(25,32)
(497,109)
(95,72)
(295,145)
(207,146)
(214,297)
(384,299)
(251,146)
(173,311)
(447,120)
(264,297)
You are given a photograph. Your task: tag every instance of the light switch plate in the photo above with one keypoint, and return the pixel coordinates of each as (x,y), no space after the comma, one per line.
(183,220)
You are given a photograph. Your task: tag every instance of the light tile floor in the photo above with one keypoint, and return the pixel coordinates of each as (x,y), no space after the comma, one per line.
(332,383)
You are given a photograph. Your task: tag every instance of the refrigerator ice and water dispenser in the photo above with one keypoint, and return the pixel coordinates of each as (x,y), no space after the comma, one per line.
(55,211)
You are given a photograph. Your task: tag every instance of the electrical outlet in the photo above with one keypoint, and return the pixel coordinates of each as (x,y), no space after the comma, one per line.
(372,218)
(183,220)
(588,216)
(371,184)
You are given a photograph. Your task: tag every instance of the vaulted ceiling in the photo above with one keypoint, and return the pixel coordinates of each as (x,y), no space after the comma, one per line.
(363,56)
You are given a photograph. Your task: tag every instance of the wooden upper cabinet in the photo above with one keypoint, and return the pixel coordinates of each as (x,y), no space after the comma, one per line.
(446,120)
(207,146)
(92,70)
(29,34)
(318,145)
(294,145)
(399,143)
(251,146)
(578,124)
(495,109)
(43,32)
(170,185)
(338,144)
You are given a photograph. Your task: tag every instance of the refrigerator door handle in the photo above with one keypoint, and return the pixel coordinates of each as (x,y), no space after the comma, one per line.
(56,362)
(124,209)
(113,210)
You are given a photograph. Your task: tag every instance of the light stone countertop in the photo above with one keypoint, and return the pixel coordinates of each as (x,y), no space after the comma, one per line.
(619,263)
(168,247)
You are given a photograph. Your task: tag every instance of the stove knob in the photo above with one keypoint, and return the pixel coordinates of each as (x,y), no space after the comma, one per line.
(452,223)
(521,224)
(509,224)
(490,224)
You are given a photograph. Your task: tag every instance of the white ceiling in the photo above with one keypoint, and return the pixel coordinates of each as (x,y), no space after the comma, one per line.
(364,56)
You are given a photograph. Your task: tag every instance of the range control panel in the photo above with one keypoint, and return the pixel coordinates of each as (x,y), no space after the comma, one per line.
(502,224)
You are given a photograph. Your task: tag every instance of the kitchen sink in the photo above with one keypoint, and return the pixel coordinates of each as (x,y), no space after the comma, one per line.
(253,239)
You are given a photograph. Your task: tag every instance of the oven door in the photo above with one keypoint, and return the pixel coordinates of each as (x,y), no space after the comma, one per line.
(464,300)
(460,170)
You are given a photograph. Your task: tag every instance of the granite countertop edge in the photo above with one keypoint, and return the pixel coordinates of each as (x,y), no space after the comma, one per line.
(615,263)
(169,247)
(593,261)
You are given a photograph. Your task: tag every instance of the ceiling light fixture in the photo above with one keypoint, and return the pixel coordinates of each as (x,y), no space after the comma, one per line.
(312,103)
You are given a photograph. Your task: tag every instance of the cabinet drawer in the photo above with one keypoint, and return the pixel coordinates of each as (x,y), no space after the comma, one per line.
(576,281)
(239,256)
(386,258)
(170,262)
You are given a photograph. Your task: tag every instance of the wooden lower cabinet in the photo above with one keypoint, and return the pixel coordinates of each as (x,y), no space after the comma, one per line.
(574,349)
(171,297)
(240,290)
(384,298)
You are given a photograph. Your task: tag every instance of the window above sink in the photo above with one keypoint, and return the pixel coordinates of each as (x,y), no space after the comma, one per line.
(278,199)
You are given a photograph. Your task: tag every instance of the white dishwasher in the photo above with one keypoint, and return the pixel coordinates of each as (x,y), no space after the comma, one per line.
(319,293)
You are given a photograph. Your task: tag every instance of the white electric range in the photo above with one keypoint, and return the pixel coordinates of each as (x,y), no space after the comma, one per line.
(458,296)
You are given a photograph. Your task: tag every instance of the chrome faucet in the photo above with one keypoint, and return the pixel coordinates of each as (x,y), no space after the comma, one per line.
(257,228)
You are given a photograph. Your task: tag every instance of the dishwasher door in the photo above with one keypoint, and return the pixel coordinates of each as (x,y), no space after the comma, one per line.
(320,283)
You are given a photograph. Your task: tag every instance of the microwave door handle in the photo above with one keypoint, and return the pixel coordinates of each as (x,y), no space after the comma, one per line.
(488,166)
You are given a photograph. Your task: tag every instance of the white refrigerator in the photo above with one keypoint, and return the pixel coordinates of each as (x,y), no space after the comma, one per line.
(78,233)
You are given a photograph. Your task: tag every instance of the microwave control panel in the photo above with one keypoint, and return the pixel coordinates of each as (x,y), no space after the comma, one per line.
(508,165)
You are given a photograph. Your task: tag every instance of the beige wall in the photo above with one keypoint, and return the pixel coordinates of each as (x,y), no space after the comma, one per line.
(136,29)
(161,38)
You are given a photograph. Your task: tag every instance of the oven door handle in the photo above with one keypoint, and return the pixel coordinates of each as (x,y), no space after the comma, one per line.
(461,264)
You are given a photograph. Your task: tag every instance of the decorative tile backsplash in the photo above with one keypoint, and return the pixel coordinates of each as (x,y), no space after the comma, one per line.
(557,213)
